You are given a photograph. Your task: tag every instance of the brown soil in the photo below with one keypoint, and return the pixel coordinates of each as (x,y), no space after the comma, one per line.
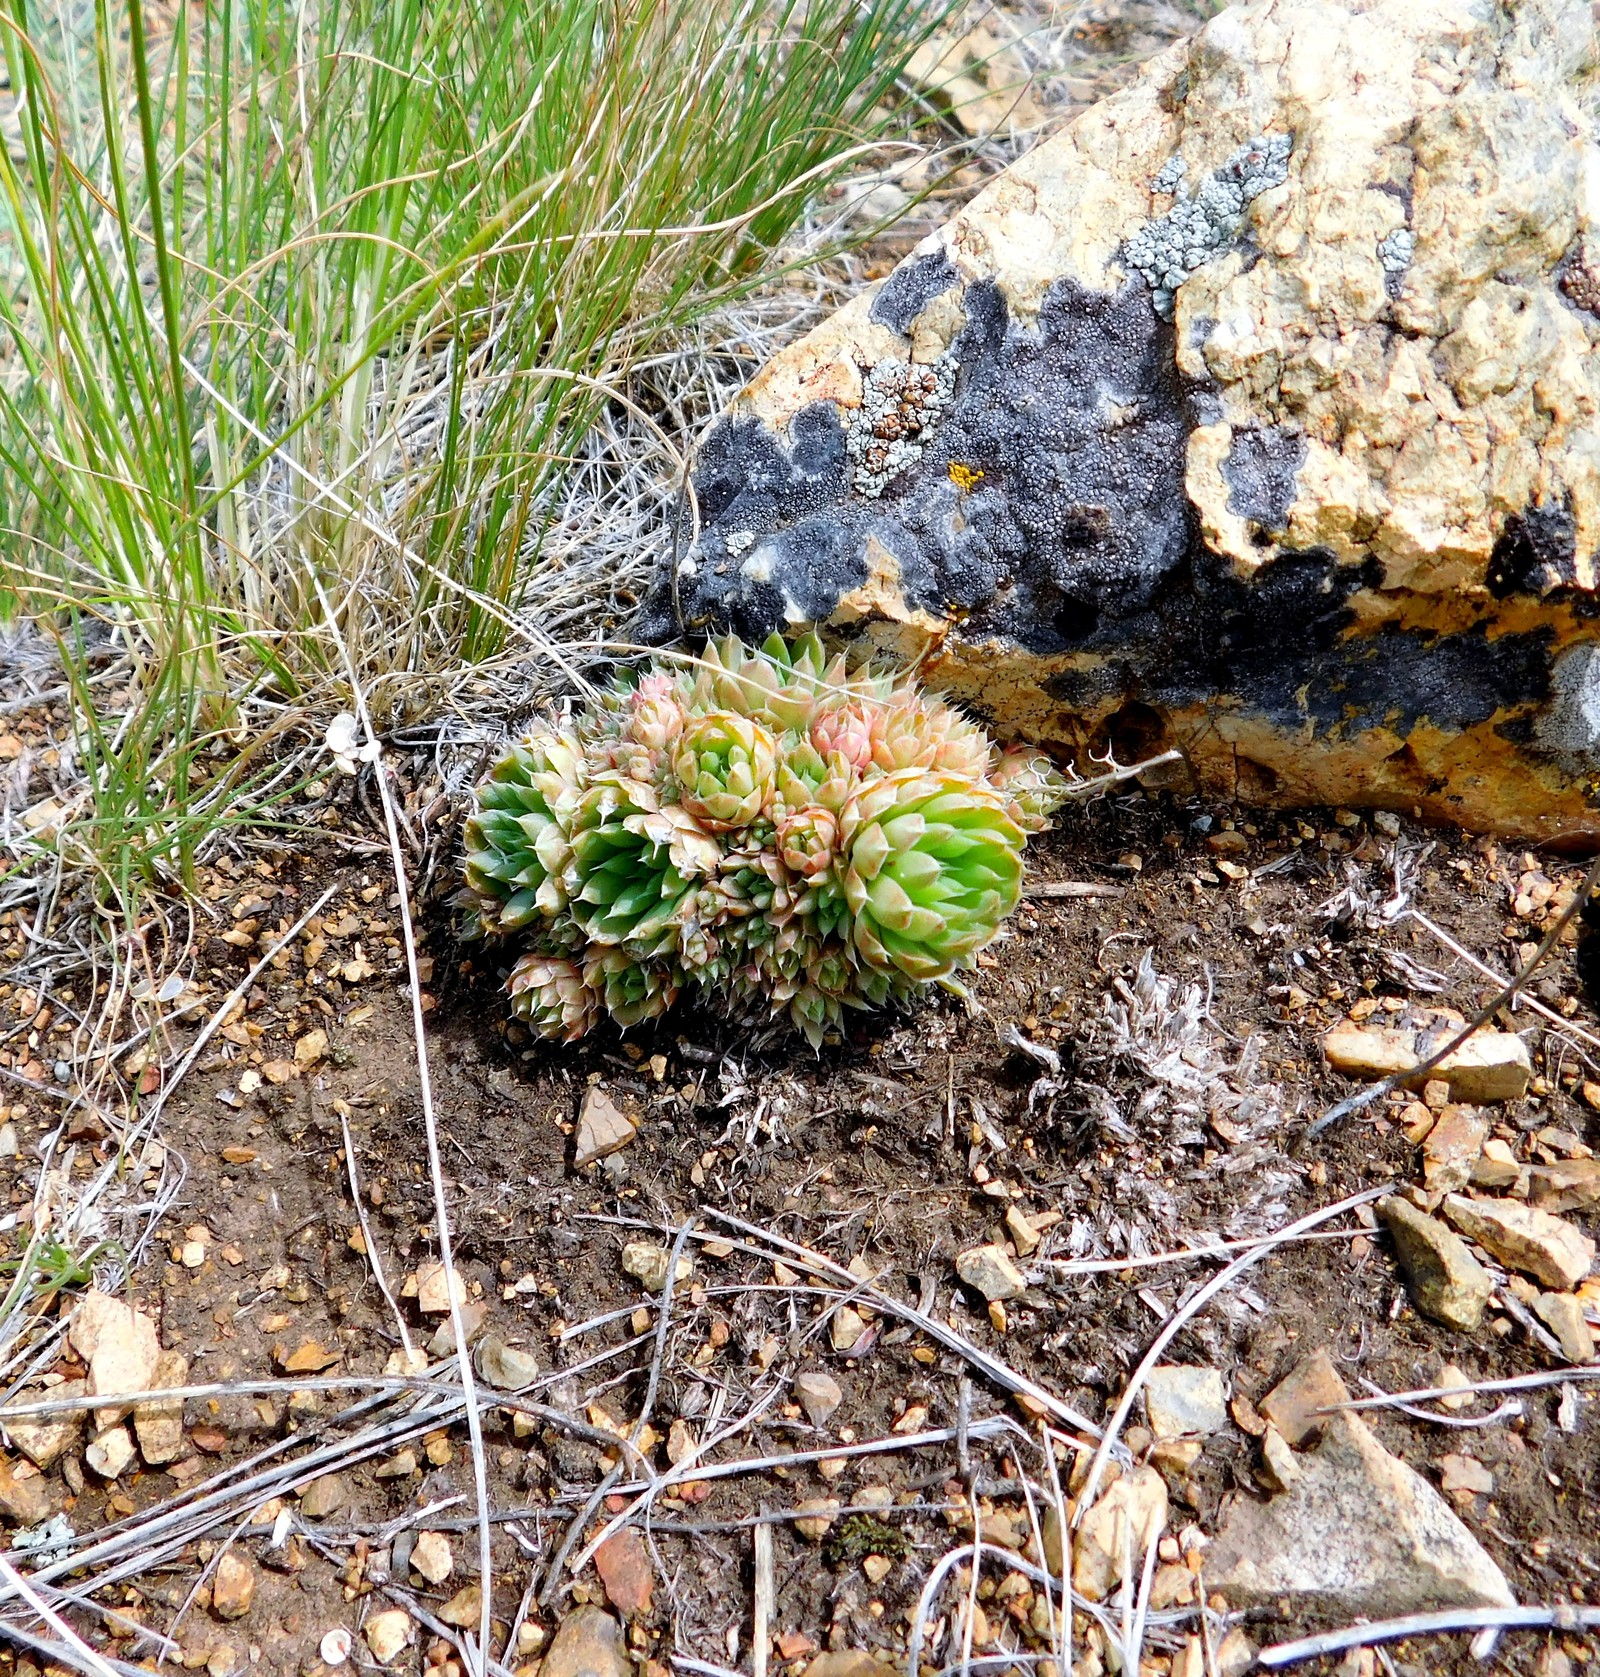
(882,1148)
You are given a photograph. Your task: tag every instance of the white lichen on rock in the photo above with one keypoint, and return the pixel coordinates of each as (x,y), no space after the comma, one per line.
(901,403)
(1396,249)
(740,541)
(1205,223)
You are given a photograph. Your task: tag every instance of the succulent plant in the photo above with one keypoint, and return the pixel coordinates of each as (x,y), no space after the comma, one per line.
(765,827)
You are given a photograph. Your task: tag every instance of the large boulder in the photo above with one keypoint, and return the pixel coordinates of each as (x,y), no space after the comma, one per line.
(1257,413)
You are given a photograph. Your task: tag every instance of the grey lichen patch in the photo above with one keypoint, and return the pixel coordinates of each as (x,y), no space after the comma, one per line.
(1569,727)
(740,541)
(1395,252)
(1203,224)
(911,287)
(901,404)
(1260,472)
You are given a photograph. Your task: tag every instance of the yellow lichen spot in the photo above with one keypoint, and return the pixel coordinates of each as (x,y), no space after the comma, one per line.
(965,478)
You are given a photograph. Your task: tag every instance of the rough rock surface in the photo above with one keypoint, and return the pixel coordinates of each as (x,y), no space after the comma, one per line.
(1257,413)
(1358,1533)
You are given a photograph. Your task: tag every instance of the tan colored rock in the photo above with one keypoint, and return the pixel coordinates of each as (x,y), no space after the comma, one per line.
(45,1437)
(991,1272)
(1358,1533)
(110,1453)
(1563,1314)
(388,1633)
(1296,1405)
(603,1128)
(1444,1279)
(847,1328)
(431,1558)
(27,1497)
(1523,1237)
(159,1426)
(1332,531)
(233,1586)
(1570,1185)
(647,1264)
(464,1609)
(816,1516)
(1278,1463)
(818,1395)
(1488,1066)
(120,1345)
(1453,1148)
(434,1289)
(1128,1518)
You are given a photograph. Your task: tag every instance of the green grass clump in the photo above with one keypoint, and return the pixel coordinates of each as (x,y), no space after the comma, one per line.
(301,308)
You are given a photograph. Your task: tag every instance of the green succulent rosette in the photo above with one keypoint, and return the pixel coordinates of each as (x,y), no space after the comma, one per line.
(932,864)
(724,767)
(550,994)
(632,865)
(517,840)
(631,990)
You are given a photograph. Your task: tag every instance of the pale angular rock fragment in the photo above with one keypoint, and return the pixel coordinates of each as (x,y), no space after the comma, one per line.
(1180,1399)
(1488,1066)
(991,1272)
(1131,1515)
(1523,1237)
(1358,1533)
(603,1128)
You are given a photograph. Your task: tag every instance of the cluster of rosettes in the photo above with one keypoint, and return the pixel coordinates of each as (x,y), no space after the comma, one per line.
(776,831)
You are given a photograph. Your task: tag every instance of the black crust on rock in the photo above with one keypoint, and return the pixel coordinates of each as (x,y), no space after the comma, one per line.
(1078,536)
(911,287)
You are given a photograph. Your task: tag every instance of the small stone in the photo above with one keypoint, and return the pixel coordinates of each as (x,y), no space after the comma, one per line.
(847,1328)
(473,1315)
(26,1496)
(401,1465)
(1444,1279)
(1523,1237)
(1452,1377)
(1571,1185)
(387,1634)
(1563,1314)
(120,1345)
(877,1568)
(1126,1520)
(1293,1406)
(110,1452)
(325,1495)
(223,1661)
(647,1264)
(1465,1473)
(464,1609)
(1498,1167)
(818,1395)
(434,1289)
(1181,1399)
(989,1271)
(623,1563)
(1023,1234)
(848,1662)
(159,1426)
(815,1517)
(1279,1467)
(310,1048)
(603,1128)
(588,1643)
(335,1646)
(1172,1586)
(1488,1066)
(1175,1455)
(508,1368)
(1236,1653)
(43,1438)
(431,1558)
(681,1442)
(1452,1149)
(233,1586)
(192,1254)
